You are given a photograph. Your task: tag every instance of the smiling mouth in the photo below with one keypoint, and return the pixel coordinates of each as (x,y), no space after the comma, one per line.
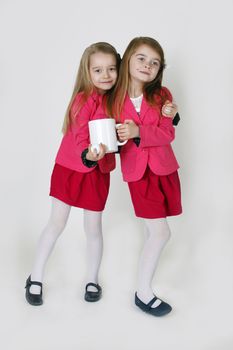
(146,73)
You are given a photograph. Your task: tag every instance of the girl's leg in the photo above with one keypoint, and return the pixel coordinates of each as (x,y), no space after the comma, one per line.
(158,233)
(56,224)
(94,251)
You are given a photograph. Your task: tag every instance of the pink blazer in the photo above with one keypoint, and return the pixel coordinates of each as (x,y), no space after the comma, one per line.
(156,134)
(77,138)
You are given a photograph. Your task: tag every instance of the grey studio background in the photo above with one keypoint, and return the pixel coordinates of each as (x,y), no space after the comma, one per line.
(41,45)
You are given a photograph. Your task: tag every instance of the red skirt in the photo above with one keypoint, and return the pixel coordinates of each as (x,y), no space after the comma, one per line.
(84,190)
(155,196)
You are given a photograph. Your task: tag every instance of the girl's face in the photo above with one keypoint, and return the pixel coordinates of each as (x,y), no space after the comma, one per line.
(103,71)
(144,64)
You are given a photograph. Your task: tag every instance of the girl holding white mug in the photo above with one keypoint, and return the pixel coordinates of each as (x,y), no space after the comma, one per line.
(148,163)
(80,176)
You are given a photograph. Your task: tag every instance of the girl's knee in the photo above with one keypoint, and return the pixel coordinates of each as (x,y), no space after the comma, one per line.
(57,225)
(159,228)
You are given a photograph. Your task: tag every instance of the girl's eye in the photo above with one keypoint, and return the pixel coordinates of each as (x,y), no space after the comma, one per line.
(112,69)
(141,59)
(97,70)
(155,63)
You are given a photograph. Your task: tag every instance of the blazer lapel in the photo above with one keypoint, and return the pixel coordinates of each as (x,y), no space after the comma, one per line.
(130,112)
(144,108)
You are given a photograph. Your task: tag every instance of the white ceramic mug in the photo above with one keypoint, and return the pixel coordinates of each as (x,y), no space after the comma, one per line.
(104,131)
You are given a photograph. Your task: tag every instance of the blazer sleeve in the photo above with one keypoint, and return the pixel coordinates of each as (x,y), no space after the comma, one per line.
(157,135)
(161,134)
(79,127)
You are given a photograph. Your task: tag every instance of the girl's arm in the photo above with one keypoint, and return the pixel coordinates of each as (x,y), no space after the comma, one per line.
(150,135)
(153,135)
(80,133)
(90,156)
(169,97)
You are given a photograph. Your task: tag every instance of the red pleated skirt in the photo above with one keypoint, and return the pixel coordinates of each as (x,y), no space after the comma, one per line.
(155,196)
(84,190)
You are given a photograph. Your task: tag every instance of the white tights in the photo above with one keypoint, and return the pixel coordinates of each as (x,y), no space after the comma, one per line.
(157,235)
(55,226)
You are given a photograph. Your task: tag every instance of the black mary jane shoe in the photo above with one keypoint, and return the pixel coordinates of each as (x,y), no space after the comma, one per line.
(33,299)
(160,310)
(93,296)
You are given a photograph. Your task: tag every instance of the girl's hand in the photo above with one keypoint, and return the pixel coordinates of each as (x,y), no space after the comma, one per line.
(169,109)
(93,155)
(128,130)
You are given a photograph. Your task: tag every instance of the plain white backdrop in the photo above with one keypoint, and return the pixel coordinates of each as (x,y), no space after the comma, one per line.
(41,45)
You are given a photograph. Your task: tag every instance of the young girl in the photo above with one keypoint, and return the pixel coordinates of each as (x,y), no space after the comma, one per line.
(80,176)
(147,161)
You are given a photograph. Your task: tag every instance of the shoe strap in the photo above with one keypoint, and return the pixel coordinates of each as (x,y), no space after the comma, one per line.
(151,302)
(36,283)
(30,283)
(93,285)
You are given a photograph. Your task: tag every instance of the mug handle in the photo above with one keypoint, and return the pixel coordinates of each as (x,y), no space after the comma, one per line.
(118,142)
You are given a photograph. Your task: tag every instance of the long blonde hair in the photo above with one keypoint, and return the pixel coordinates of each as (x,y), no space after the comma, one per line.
(83,81)
(115,101)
